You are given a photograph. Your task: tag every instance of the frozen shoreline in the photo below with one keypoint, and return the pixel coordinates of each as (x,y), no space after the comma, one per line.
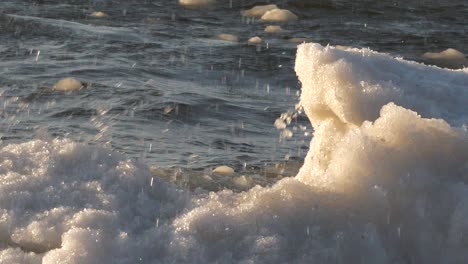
(384,181)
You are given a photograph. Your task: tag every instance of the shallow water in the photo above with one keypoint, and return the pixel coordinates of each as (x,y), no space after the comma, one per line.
(121,171)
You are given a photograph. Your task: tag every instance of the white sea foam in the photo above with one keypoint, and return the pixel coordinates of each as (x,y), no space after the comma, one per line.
(385,181)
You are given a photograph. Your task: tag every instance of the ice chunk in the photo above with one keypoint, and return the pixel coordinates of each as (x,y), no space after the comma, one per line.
(195,3)
(224,170)
(258,11)
(279,15)
(68,84)
(228,37)
(255,40)
(298,40)
(243,181)
(99,14)
(351,85)
(16,255)
(64,202)
(449,58)
(273,29)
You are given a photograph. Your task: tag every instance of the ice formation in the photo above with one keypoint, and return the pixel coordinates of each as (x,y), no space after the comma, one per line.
(279,15)
(64,202)
(385,181)
(225,170)
(298,40)
(196,3)
(228,37)
(273,29)
(255,40)
(258,11)
(449,58)
(68,84)
(99,14)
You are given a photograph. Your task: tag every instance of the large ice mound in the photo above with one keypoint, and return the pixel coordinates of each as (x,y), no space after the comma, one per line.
(64,202)
(385,181)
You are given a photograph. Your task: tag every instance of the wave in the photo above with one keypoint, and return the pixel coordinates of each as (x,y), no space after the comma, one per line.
(63,27)
(385,181)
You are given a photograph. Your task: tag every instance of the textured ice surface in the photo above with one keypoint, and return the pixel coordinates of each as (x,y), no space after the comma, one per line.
(70,203)
(385,181)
